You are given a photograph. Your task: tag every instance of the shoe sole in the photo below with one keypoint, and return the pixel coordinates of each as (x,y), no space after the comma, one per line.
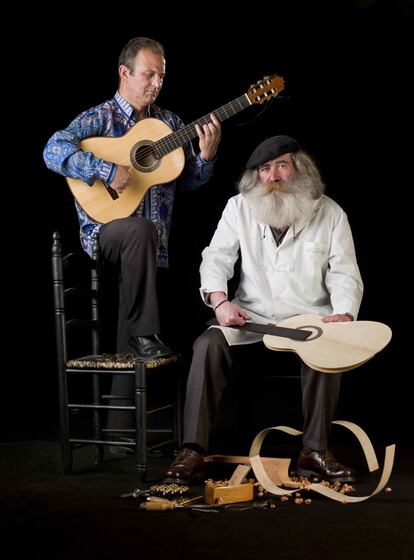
(304,472)
(196,478)
(152,356)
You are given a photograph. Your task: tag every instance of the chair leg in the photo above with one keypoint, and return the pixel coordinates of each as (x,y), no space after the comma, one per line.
(67,454)
(66,448)
(177,419)
(140,421)
(99,452)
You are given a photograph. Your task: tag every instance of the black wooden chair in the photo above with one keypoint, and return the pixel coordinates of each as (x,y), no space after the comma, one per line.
(77,290)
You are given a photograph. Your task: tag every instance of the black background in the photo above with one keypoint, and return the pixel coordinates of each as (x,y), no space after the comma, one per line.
(346,66)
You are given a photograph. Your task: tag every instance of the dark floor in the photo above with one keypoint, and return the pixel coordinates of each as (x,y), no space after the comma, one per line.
(49,514)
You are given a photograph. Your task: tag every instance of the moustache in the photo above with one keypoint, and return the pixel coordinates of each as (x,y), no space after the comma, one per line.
(273,186)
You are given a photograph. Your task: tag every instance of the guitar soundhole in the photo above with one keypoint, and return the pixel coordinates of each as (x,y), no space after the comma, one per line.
(316,332)
(143,156)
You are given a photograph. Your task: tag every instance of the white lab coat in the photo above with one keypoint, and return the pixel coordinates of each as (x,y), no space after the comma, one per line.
(314,270)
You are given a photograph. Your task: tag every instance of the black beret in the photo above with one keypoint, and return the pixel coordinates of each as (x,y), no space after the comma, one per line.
(272,148)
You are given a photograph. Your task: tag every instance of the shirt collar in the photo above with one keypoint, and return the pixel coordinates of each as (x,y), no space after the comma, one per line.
(127,108)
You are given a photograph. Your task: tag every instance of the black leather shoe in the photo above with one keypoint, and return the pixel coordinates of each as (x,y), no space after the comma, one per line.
(148,346)
(323,465)
(187,467)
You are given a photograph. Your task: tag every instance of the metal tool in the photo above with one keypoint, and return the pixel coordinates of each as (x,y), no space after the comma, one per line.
(135,493)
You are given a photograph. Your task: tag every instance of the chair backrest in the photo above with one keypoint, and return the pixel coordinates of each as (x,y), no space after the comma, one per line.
(76,289)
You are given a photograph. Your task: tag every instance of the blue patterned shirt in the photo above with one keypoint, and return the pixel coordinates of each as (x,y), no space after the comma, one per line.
(114,118)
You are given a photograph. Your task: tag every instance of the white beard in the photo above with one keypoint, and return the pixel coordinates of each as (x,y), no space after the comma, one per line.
(281,204)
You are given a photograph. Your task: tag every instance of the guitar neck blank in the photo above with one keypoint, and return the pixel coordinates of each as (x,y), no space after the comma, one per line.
(294,334)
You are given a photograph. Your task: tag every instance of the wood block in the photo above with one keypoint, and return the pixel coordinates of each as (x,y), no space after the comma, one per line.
(228,494)
(276,469)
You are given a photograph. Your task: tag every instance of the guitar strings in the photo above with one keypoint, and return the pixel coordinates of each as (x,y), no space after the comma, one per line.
(177,138)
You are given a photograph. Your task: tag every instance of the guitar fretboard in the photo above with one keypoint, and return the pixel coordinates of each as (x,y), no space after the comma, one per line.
(180,137)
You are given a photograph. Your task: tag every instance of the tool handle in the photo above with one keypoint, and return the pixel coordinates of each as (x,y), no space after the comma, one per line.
(157,506)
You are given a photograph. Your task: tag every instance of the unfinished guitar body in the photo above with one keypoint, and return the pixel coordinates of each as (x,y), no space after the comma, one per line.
(332,347)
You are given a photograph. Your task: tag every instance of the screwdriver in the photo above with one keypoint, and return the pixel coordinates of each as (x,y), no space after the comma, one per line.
(164,506)
(154,503)
(157,505)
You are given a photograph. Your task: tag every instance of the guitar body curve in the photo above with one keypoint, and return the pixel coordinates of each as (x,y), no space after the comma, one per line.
(332,347)
(96,200)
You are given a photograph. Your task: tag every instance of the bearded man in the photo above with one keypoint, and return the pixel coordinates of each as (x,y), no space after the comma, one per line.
(297,257)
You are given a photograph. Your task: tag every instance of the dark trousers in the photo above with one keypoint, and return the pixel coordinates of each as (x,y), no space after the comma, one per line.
(214,362)
(130,244)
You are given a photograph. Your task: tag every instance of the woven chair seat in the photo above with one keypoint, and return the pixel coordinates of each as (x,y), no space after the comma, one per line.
(118,361)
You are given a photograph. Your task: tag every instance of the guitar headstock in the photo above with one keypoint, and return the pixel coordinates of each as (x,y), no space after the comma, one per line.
(266,89)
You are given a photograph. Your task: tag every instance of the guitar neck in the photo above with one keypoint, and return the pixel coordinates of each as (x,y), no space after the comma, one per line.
(180,137)
(294,334)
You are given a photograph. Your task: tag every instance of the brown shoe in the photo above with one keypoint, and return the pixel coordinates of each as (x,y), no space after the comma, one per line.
(187,467)
(323,465)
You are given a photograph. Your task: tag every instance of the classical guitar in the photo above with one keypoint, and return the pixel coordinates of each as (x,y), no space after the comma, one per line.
(326,347)
(154,154)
